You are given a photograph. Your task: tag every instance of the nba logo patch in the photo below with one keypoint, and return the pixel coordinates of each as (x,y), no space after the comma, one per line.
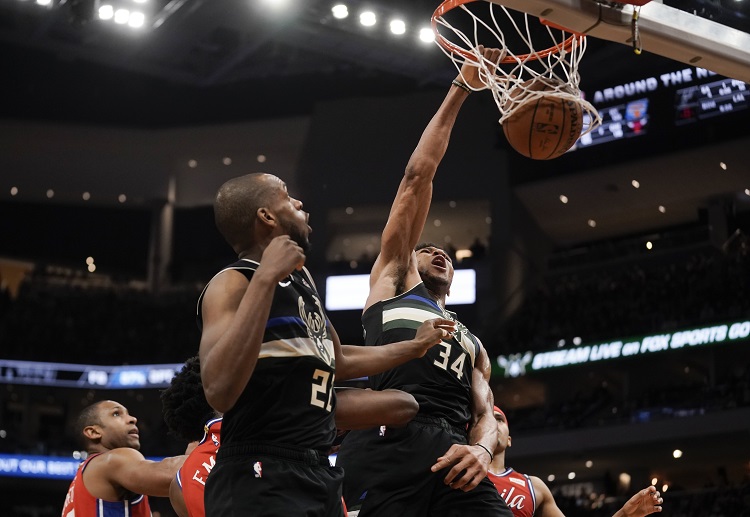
(258,468)
(382,430)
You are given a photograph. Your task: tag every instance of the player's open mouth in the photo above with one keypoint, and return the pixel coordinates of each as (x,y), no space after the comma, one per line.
(439,262)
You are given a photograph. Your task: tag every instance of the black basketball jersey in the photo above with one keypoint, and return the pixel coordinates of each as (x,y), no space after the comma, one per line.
(441,380)
(289,399)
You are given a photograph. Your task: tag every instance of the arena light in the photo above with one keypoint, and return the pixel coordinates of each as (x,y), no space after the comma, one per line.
(122,16)
(426,35)
(106,12)
(368,18)
(398,26)
(340,11)
(276,4)
(136,19)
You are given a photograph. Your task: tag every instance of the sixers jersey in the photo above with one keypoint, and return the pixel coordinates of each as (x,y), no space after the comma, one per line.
(192,475)
(517,491)
(441,380)
(80,503)
(289,399)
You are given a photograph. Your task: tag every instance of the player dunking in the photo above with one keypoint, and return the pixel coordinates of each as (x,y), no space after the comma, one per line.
(437,465)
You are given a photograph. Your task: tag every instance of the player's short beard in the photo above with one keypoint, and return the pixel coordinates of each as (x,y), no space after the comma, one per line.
(301,240)
(434,284)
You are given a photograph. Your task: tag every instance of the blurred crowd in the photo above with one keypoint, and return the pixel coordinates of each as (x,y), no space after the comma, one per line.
(658,295)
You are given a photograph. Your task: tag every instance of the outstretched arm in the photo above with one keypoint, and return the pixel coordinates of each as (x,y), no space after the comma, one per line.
(473,459)
(358,408)
(412,202)
(354,361)
(644,502)
(124,469)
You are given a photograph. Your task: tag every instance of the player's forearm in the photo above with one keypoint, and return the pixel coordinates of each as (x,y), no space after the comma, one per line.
(435,138)
(154,477)
(227,367)
(361,361)
(484,432)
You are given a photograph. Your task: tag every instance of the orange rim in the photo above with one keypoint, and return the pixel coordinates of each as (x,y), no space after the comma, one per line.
(449,5)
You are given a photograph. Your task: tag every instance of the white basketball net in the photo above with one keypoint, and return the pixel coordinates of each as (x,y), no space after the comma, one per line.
(558,70)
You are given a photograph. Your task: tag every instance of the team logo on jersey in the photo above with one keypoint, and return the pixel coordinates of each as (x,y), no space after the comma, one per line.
(316,328)
(258,468)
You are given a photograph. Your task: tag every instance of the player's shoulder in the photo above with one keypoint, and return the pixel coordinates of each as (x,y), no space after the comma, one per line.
(228,278)
(120,454)
(107,464)
(541,490)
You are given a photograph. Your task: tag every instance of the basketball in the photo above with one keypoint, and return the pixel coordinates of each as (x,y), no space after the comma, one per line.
(545,127)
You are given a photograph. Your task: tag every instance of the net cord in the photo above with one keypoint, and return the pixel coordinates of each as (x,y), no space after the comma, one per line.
(505,79)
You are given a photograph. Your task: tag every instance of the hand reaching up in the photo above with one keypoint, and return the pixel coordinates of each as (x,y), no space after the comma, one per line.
(643,503)
(432,332)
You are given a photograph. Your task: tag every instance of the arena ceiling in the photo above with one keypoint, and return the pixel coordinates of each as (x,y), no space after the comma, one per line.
(222,61)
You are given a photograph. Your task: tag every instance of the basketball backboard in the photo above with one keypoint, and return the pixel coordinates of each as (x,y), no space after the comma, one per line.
(662,30)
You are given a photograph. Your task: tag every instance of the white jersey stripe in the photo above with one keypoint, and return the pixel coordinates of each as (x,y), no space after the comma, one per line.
(420,316)
(294,347)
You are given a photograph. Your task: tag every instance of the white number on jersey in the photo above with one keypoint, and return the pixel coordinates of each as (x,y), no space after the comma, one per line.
(458,364)
(322,390)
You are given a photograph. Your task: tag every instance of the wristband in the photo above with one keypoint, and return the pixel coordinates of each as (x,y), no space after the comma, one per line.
(461,85)
(492,456)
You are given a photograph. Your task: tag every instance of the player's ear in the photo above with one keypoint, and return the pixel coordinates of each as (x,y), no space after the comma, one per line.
(509,440)
(265,216)
(92,432)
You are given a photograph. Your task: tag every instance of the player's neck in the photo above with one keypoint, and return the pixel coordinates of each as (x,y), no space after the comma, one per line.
(498,463)
(438,297)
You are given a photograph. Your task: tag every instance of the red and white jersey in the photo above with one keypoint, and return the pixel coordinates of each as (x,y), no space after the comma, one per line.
(80,503)
(517,491)
(192,475)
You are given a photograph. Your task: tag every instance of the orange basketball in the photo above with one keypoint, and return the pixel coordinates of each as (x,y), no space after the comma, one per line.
(545,127)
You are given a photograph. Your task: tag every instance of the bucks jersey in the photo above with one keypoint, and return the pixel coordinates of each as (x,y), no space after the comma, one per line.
(516,490)
(289,399)
(80,503)
(441,380)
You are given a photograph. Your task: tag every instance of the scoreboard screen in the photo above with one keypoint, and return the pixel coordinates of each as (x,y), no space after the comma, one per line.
(710,100)
(621,121)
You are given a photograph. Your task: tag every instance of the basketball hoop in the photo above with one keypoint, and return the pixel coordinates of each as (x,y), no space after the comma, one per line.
(514,81)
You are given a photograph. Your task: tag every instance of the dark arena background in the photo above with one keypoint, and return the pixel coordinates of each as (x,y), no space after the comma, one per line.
(610,286)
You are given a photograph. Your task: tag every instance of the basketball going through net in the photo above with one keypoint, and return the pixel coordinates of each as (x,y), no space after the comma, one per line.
(536,89)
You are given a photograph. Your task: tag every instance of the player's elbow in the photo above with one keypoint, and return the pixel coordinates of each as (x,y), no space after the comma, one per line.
(405,408)
(420,170)
(218,398)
